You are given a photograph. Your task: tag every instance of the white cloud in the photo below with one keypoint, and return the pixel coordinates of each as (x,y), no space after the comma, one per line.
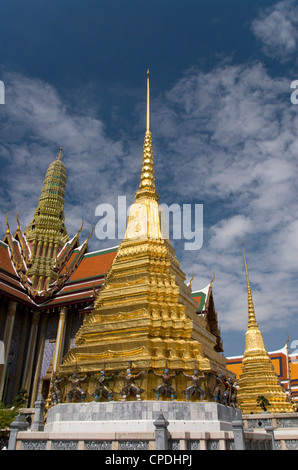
(226,231)
(35,123)
(285,245)
(234,145)
(276,28)
(227,137)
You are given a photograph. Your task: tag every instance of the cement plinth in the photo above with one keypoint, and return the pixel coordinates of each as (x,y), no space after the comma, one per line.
(139,416)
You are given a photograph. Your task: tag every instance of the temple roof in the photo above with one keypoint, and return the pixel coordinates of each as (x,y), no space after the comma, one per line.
(201,297)
(81,286)
(37,264)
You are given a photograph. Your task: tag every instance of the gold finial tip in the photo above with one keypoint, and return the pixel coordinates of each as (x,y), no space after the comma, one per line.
(60,154)
(148,73)
(148,104)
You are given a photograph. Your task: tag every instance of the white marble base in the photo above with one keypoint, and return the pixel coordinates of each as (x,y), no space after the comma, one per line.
(139,416)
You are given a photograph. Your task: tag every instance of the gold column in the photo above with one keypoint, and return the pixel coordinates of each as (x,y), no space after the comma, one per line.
(31,352)
(55,252)
(60,338)
(38,250)
(10,318)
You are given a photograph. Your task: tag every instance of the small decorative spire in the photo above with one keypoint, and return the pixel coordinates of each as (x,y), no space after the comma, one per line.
(252,322)
(189,284)
(8,230)
(17,219)
(60,154)
(81,228)
(89,236)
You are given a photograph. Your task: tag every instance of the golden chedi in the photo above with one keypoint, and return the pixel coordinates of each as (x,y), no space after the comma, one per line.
(144,317)
(258,382)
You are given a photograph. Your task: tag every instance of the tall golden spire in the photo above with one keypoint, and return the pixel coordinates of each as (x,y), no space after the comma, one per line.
(252,321)
(254,343)
(145,312)
(147,179)
(258,378)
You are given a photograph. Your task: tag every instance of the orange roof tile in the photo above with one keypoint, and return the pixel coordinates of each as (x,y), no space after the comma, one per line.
(5,261)
(94,264)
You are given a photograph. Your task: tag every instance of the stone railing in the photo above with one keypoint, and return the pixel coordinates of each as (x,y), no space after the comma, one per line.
(282,426)
(137,426)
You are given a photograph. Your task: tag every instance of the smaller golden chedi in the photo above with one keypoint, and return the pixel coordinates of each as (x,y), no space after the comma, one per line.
(258,382)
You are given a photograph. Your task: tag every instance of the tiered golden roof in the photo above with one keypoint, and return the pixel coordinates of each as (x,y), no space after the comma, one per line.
(144,314)
(258,378)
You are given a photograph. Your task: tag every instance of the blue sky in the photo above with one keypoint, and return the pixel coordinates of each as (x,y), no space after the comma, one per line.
(225,132)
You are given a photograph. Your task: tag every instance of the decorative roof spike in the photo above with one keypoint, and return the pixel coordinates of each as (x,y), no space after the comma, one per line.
(190,281)
(80,229)
(81,226)
(17,219)
(252,321)
(8,229)
(89,236)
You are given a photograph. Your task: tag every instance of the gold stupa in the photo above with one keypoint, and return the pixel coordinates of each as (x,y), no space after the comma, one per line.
(258,379)
(144,316)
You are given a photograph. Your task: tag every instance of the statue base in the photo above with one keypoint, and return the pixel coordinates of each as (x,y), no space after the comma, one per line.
(139,417)
(139,425)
